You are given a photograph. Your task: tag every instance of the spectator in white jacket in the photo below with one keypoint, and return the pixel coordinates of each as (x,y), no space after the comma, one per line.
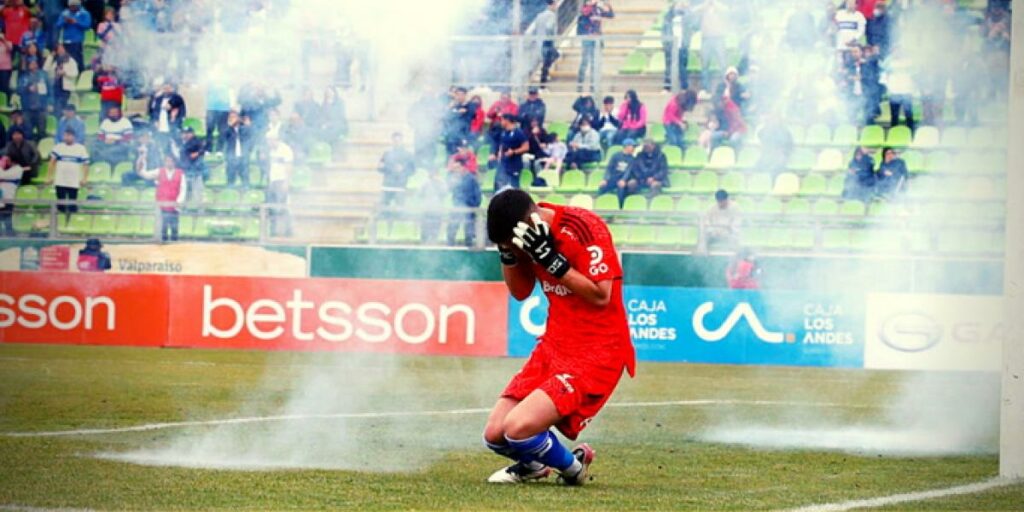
(850,26)
(10,177)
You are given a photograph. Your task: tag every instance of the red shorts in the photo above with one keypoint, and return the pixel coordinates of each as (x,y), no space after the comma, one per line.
(579,391)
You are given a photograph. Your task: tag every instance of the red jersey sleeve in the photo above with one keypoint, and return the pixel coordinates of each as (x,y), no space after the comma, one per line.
(587,243)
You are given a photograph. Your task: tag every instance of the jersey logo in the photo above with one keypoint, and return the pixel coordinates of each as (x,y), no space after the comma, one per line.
(597,265)
(742,310)
(564,379)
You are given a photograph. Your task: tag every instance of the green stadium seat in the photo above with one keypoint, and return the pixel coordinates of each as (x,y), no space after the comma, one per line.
(679,181)
(84,83)
(836,185)
(594,180)
(45,146)
(802,160)
(619,232)
(662,203)
(26,222)
(642,235)
(954,137)
(319,154)
(487,181)
(836,239)
(250,229)
(127,225)
(879,209)
(696,158)
(125,195)
(92,125)
(733,182)
(818,135)
(120,169)
(983,137)
(668,236)
(551,177)
(748,158)
(254,198)
(51,128)
(27,193)
(147,226)
(222,227)
(786,184)
(939,161)
(404,231)
(898,137)
(674,156)
(559,127)
(770,206)
(226,200)
(196,124)
(635,64)
(573,181)
(723,158)
(558,199)
(606,202)
(826,207)
(759,183)
(845,135)
(104,225)
(656,131)
(94,197)
(48,194)
(635,203)
(688,204)
(914,160)
(829,160)
(813,185)
(525,179)
(100,172)
(80,224)
(799,134)
(582,201)
(802,239)
(798,206)
(926,137)
(852,208)
(89,102)
(872,136)
(705,182)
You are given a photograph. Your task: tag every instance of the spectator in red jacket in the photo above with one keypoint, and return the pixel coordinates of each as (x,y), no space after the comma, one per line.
(17,19)
(476,125)
(504,105)
(743,271)
(464,160)
(111,88)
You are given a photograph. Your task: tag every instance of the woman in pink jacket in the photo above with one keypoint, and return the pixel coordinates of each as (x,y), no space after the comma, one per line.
(633,115)
(674,118)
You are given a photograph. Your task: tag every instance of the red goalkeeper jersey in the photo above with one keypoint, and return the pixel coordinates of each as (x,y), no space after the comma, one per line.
(578,331)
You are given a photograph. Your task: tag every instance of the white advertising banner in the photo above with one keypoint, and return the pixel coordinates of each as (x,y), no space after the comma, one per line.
(934,332)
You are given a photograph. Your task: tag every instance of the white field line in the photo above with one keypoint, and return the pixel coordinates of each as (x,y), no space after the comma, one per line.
(393,414)
(896,499)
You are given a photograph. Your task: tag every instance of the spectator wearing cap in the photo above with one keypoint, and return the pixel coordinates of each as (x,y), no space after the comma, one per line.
(618,175)
(508,155)
(10,177)
(114,140)
(190,160)
(171,191)
(69,120)
(73,24)
(532,109)
(397,165)
(238,143)
(22,152)
(721,223)
(92,258)
(584,148)
(607,123)
(69,170)
(651,168)
(63,72)
(34,90)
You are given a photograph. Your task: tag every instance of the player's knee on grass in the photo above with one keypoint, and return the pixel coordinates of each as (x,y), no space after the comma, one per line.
(494,432)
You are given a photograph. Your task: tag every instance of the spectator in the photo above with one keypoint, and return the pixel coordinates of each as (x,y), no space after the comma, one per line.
(743,271)
(33,36)
(16,18)
(508,155)
(23,153)
(6,69)
(860,177)
(63,73)
(850,26)
(109,30)
(721,223)
(18,122)
(504,105)
(674,118)
(218,105)
(538,140)
(464,159)
(69,120)
(465,190)
(676,37)
(51,10)
(732,89)
(546,25)
(851,82)
(10,177)
(877,30)
(92,258)
(584,108)
(458,120)
(167,112)
(171,190)
(606,124)
(585,147)
(238,148)
(901,93)
(190,161)
(476,126)
(282,162)
(651,168)
(111,88)
(633,115)
(114,140)
(892,175)
(618,175)
(735,125)
(532,108)
(714,28)
(73,24)
(555,152)
(68,171)
(589,25)
(397,165)
(148,157)
(712,135)
(776,145)
(29,54)
(423,116)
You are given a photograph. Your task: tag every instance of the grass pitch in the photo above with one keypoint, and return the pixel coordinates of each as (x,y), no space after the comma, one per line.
(649,457)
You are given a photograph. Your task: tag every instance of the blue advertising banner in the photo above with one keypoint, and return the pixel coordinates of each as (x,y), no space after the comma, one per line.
(724,326)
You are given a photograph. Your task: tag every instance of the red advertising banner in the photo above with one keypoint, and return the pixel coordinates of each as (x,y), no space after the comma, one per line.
(410,317)
(91,309)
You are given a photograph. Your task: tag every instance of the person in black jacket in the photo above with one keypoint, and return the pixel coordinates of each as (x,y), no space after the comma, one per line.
(397,165)
(92,258)
(532,108)
(458,119)
(651,168)
(606,124)
(618,176)
(237,148)
(190,159)
(167,111)
(23,153)
(860,177)
(585,109)
(892,175)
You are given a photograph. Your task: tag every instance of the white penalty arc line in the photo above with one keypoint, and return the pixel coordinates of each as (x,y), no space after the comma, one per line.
(895,499)
(393,414)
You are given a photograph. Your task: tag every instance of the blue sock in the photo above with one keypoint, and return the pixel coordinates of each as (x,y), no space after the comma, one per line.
(502,449)
(544,448)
